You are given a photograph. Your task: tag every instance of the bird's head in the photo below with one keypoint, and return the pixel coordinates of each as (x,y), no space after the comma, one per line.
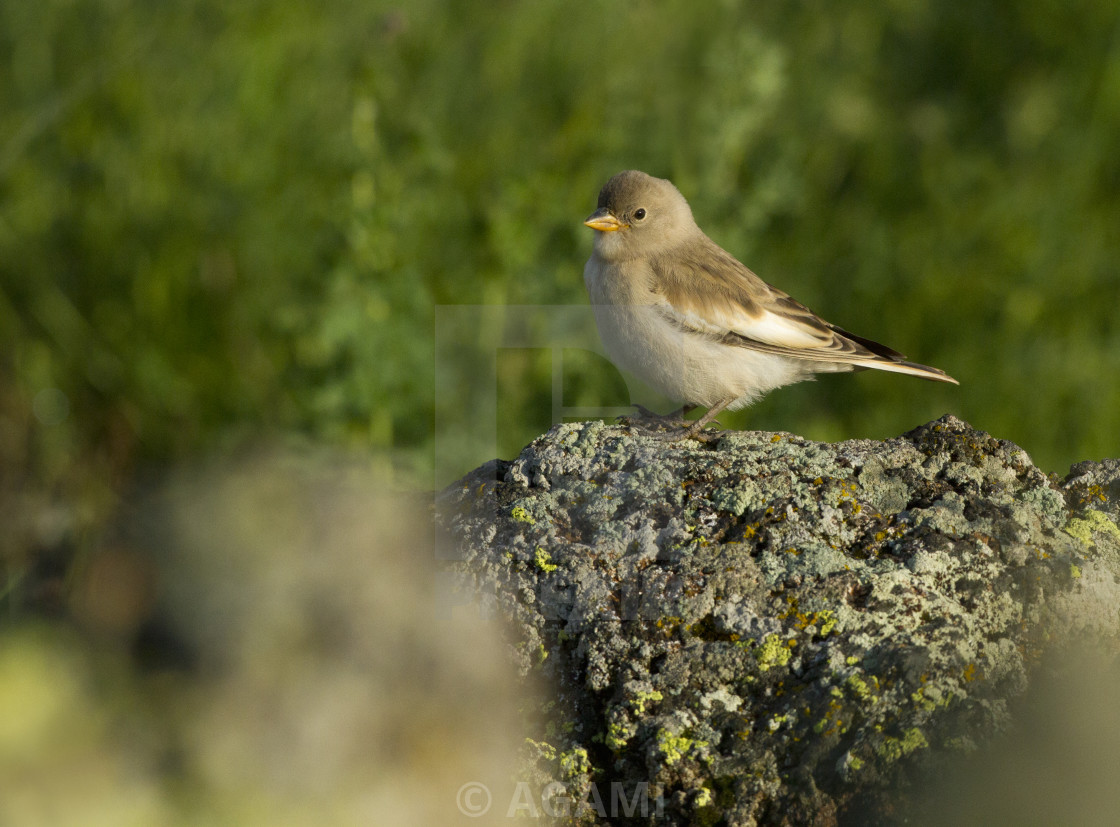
(639,215)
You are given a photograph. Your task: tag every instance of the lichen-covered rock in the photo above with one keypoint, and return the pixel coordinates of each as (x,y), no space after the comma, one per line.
(771,630)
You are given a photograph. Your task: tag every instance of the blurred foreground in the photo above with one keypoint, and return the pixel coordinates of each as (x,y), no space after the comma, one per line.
(265,643)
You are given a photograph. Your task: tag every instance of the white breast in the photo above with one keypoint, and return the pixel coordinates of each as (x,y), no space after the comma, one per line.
(683,365)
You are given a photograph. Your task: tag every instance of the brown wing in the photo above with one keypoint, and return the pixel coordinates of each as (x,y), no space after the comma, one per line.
(708,291)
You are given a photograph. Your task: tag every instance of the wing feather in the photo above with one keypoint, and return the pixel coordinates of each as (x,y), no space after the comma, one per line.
(706,290)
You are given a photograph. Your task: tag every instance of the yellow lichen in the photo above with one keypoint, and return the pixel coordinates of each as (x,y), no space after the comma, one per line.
(544,561)
(772,651)
(893,748)
(675,747)
(1082,528)
(642,698)
(522,516)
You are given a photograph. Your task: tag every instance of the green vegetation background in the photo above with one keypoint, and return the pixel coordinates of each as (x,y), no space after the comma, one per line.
(223,223)
(221,220)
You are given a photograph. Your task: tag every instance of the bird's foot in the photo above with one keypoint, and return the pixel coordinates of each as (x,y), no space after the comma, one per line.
(697,430)
(683,429)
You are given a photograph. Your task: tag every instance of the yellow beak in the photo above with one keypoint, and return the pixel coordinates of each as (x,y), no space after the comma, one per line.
(604,222)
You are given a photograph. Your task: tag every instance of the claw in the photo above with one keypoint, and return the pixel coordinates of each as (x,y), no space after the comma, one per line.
(674,427)
(700,434)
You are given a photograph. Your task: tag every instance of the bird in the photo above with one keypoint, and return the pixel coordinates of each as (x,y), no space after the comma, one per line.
(684,315)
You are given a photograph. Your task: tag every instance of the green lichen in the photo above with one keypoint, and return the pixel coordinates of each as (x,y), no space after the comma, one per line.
(575,762)
(1074,571)
(675,747)
(772,651)
(642,698)
(618,735)
(930,698)
(856,764)
(546,750)
(544,560)
(522,516)
(1082,528)
(858,687)
(922,701)
(737,499)
(826,621)
(892,749)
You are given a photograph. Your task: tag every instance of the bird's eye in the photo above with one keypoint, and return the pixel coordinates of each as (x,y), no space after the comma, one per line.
(639,214)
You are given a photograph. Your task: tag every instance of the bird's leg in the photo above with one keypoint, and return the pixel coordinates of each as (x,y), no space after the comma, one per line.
(674,417)
(695,430)
(647,417)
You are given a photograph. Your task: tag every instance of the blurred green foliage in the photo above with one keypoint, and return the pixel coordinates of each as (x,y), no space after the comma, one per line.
(221,221)
(226,219)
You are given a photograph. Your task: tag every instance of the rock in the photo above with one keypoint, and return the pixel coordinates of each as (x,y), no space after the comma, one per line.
(771,630)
